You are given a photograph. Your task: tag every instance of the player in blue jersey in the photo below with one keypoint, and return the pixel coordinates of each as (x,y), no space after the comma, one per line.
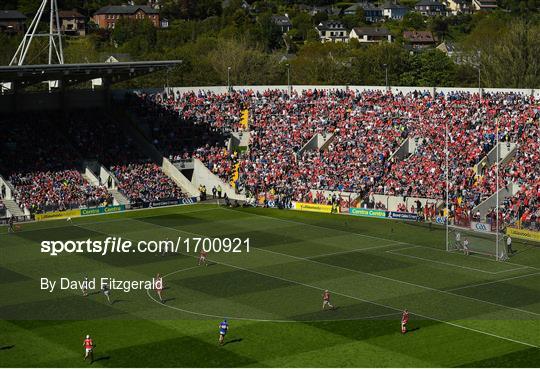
(223,328)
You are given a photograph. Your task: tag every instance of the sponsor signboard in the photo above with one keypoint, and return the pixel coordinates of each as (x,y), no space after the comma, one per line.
(481,227)
(373,213)
(403,216)
(103,210)
(156,204)
(440,220)
(58,214)
(318,208)
(186,201)
(523,234)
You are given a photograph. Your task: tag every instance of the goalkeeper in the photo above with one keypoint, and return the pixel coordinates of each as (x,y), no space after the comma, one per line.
(458,245)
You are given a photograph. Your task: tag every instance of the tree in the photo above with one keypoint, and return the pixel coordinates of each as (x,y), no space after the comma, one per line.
(302,24)
(135,36)
(368,64)
(319,17)
(80,50)
(439,26)
(9,46)
(8,4)
(28,7)
(355,20)
(413,20)
(436,69)
(267,32)
(514,60)
(319,63)
(505,51)
(249,65)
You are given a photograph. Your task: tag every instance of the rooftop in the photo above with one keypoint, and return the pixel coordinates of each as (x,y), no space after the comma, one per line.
(126,9)
(69,14)
(428,3)
(281,20)
(11,15)
(418,36)
(371,31)
(331,25)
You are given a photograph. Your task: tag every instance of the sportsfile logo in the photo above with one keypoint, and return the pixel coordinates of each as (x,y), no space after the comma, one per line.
(119,245)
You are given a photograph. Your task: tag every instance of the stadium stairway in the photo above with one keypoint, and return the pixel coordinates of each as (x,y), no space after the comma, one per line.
(129,122)
(181,180)
(6,188)
(119,198)
(491,201)
(239,139)
(317,142)
(203,176)
(407,148)
(13,208)
(90,177)
(507,151)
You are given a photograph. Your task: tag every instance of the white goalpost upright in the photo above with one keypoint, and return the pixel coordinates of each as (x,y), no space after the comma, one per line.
(447,183)
(497,189)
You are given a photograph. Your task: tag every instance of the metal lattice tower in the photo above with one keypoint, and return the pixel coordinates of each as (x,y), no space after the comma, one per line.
(56,53)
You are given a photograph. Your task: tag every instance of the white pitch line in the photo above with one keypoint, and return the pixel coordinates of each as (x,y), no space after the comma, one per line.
(357,298)
(493,282)
(181,270)
(451,264)
(105,221)
(353,250)
(374,303)
(370,274)
(362,235)
(408,248)
(220,316)
(393,252)
(511,270)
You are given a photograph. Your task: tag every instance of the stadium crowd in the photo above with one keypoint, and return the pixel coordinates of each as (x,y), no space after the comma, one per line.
(359,134)
(364,129)
(146,182)
(44,154)
(59,190)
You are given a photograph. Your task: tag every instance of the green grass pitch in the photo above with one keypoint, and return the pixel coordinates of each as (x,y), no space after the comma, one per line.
(465,311)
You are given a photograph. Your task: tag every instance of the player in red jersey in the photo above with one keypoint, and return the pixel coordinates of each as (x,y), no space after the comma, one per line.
(203,258)
(159,286)
(88,345)
(404,321)
(326,300)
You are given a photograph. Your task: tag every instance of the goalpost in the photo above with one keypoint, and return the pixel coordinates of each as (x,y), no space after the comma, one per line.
(471,242)
(463,234)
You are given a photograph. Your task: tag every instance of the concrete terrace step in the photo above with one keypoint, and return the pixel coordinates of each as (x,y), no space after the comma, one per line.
(119,197)
(13,208)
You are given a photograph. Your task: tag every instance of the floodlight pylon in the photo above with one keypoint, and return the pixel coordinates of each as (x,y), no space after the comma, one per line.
(56,53)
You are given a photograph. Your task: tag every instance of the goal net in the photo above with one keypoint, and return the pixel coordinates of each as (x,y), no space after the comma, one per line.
(473,190)
(471,242)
